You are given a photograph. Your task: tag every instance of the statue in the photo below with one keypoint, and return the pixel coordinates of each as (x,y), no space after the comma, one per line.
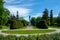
(29,21)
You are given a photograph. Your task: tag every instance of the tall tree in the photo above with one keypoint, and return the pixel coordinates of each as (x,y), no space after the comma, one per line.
(17,16)
(1,11)
(4,13)
(51,17)
(45,15)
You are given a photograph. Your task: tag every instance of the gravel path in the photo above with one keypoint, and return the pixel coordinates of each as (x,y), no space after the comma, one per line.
(30,28)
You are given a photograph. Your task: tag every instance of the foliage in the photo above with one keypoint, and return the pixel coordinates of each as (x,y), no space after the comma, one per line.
(1,11)
(4,13)
(1,37)
(45,15)
(10,37)
(33,21)
(5,16)
(42,25)
(38,19)
(15,24)
(58,20)
(51,17)
(23,38)
(25,22)
(55,36)
(55,21)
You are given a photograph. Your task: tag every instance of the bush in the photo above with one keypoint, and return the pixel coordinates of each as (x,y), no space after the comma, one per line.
(15,24)
(0,26)
(1,37)
(55,36)
(23,38)
(9,37)
(42,25)
(32,38)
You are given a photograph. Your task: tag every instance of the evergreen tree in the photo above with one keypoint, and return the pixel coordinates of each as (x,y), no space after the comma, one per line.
(51,17)
(45,15)
(17,16)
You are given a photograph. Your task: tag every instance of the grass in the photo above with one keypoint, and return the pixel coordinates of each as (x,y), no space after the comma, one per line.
(5,27)
(34,27)
(54,27)
(23,27)
(27,31)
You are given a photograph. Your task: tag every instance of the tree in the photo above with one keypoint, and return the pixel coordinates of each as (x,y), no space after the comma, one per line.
(45,15)
(42,25)
(51,17)
(33,21)
(25,23)
(58,20)
(1,11)
(14,23)
(17,16)
(38,19)
(4,13)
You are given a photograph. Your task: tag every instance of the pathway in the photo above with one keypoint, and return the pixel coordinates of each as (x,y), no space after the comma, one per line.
(30,28)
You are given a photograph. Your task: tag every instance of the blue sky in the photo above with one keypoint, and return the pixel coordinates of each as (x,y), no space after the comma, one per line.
(34,8)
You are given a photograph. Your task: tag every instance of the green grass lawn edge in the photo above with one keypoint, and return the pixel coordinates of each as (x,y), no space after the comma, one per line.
(27,31)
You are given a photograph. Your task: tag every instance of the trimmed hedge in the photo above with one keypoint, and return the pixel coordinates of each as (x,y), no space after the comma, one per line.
(30,37)
(42,25)
(15,24)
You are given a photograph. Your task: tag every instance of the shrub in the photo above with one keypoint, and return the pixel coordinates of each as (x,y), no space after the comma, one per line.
(23,38)
(31,37)
(42,25)
(15,24)
(25,23)
(9,37)
(0,26)
(1,37)
(55,36)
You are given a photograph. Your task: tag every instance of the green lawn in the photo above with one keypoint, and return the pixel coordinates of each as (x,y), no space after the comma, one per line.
(5,27)
(54,27)
(27,31)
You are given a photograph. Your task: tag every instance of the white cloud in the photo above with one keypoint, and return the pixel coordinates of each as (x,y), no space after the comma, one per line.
(38,14)
(22,11)
(26,5)
(8,0)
